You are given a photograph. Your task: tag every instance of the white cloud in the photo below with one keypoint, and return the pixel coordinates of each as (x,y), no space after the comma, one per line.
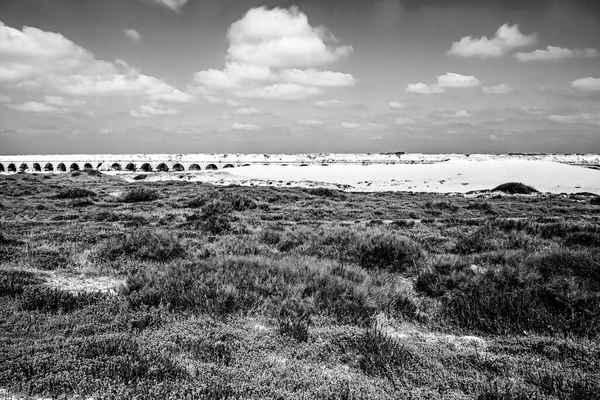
(507,38)
(582,118)
(330,104)
(283,91)
(175,5)
(448,80)
(457,114)
(501,88)
(35,107)
(36,59)
(247,111)
(405,121)
(556,53)
(281,38)
(133,35)
(452,80)
(4,99)
(244,127)
(422,88)
(153,110)
(395,105)
(587,84)
(532,110)
(310,122)
(269,53)
(62,102)
(350,125)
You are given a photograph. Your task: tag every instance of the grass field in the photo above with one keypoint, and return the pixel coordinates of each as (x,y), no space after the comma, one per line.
(178,290)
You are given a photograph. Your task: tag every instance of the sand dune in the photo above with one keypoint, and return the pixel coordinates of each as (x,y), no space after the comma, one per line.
(455,176)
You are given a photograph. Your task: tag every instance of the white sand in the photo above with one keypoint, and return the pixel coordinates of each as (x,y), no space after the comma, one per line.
(456,176)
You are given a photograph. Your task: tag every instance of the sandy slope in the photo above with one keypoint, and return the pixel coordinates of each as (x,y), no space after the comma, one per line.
(445,177)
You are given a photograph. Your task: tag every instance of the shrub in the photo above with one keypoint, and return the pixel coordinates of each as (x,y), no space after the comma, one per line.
(514,188)
(239,202)
(12,282)
(325,192)
(92,172)
(294,319)
(48,258)
(75,193)
(35,298)
(142,245)
(387,251)
(595,201)
(139,195)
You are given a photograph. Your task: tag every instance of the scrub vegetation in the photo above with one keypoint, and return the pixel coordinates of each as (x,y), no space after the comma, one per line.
(290,293)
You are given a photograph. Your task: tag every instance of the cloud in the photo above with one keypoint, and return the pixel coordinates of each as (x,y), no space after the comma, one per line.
(35,107)
(244,127)
(405,121)
(350,125)
(423,88)
(448,80)
(62,102)
(4,99)
(310,122)
(552,53)
(175,5)
(587,84)
(247,111)
(281,38)
(272,54)
(330,104)
(133,35)
(457,114)
(153,110)
(283,91)
(37,59)
(452,80)
(501,88)
(582,118)
(395,105)
(507,38)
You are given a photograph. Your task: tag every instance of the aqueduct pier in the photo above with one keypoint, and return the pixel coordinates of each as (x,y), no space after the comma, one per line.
(178,162)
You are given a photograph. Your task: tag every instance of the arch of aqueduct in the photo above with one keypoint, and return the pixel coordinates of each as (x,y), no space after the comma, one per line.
(178,162)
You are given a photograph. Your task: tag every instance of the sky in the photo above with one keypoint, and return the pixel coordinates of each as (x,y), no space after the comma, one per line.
(347,76)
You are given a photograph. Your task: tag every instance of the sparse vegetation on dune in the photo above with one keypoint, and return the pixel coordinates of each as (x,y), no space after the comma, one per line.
(263,293)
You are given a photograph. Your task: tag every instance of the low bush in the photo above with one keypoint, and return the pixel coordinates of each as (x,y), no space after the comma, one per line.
(595,201)
(144,245)
(36,298)
(75,193)
(12,282)
(514,188)
(294,319)
(139,195)
(387,251)
(92,172)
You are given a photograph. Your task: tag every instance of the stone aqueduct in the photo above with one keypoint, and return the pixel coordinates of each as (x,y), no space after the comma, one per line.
(178,163)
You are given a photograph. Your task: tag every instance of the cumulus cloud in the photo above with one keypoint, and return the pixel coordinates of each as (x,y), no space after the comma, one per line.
(175,5)
(62,102)
(310,122)
(282,38)
(556,53)
(330,104)
(457,114)
(423,88)
(35,107)
(586,84)
(507,39)
(405,121)
(350,125)
(33,58)
(448,80)
(501,88)
(396,105)
(4,99)
(153,110)
(133,35)
(582,118)
(272,54)
(244,127)
(452,80)
(247,111)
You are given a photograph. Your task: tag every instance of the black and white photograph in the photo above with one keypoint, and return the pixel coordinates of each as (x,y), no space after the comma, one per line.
(299,199)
